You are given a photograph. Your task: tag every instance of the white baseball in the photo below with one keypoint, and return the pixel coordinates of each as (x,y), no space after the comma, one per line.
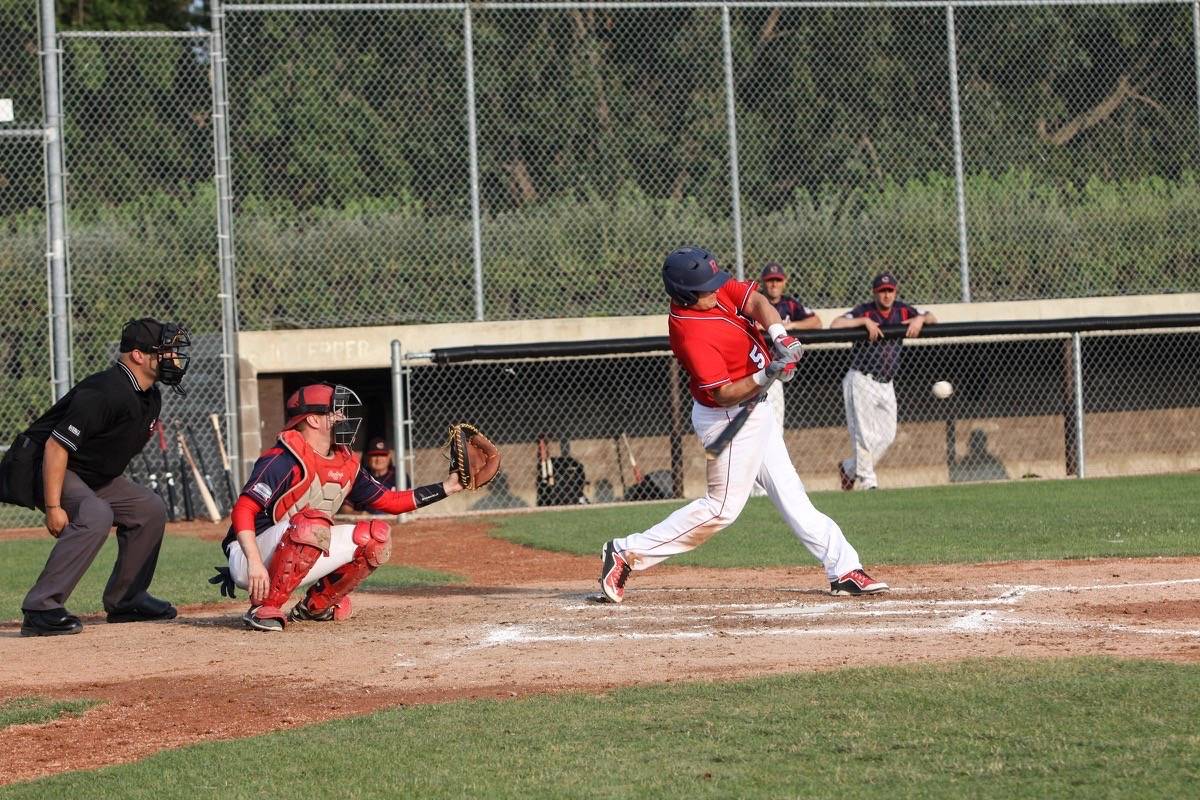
(942,389)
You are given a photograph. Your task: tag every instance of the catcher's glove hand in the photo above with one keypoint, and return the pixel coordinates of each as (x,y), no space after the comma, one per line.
(473,457)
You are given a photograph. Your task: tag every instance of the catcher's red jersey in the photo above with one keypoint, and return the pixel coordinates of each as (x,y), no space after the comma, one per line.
(717,346)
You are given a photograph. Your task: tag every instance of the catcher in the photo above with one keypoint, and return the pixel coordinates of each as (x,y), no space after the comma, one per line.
(282,533)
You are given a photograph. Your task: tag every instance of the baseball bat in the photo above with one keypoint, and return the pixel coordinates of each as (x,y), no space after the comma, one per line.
(637,473)
(205,495)
(185,485)
(545,466)
(731,430)
(620,470)
(168,476)
(198,452)
(216,423)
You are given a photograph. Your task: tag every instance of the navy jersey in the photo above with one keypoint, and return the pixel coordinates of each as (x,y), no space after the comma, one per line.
(277,471)
(880,359)
(791,309)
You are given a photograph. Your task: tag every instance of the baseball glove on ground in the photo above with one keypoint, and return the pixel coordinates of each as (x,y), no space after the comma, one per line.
(473,457)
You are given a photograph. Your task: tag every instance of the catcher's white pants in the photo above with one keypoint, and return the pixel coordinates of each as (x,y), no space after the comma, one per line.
(341,553)
(775,395)
(756,453)
(871,420)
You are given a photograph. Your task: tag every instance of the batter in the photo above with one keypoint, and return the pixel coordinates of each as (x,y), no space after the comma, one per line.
(713,334)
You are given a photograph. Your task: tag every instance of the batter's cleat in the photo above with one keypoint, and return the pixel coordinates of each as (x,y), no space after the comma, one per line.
(613,574)
(847,480)
(856,582)
(264,618)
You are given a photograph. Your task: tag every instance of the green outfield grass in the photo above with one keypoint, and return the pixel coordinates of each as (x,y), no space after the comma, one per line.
(184,567)
(27,710)
(1001,728)
(1137,516)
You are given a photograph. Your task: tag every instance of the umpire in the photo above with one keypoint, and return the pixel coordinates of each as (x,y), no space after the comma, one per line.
(69,463)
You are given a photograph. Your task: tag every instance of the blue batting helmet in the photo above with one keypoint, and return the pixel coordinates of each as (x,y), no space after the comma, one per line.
(689,271)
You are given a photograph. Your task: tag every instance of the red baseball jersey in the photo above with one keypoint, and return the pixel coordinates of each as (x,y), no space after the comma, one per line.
(720,345)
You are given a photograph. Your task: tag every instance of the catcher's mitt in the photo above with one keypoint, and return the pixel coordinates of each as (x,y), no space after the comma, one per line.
(473,457)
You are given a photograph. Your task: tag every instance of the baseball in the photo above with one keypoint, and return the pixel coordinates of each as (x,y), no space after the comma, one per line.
(942,389)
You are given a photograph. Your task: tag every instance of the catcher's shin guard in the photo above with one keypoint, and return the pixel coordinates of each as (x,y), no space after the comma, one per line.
(290,562)
(374,540)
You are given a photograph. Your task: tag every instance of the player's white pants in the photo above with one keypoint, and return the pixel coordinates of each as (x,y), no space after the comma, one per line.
(871,420)
(775,395)
(756,453)
(341,553)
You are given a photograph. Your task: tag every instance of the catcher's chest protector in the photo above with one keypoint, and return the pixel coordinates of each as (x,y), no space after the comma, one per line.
(324,482)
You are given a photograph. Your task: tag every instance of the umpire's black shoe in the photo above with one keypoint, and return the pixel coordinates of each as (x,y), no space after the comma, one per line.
(146,609)
(55,622)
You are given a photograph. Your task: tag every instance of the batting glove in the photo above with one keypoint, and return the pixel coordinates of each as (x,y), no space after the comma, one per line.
(786,345)
(782,369)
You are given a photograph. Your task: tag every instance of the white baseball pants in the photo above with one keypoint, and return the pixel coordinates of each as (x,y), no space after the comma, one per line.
(871,420)
(775,396)
(756,453)
(341,553)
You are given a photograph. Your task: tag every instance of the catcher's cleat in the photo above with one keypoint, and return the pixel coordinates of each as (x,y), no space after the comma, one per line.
(302,613)
(856,582)
(613,574)
(847,480)
(264,618)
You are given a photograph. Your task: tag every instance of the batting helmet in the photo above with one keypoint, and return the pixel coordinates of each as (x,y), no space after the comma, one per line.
(689,271)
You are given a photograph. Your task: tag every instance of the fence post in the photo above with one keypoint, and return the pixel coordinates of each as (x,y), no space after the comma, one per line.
(1196,51)
(56,226)
(398,415)
(473,151)
(731,124)
(225,249)
(964,269)
(1077,369)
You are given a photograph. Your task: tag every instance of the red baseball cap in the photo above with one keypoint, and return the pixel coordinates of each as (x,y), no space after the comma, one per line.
(316,398)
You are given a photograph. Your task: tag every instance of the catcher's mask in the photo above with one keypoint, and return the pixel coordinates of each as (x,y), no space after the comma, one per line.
(167,340)
(326,398)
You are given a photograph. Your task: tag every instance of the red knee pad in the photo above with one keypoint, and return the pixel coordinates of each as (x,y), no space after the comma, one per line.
(290,562)
(374,540)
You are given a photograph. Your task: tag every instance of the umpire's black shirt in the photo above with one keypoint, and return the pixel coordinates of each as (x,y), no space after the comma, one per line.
(103,422)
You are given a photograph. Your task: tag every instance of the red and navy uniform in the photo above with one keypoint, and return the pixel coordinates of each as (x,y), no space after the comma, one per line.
(791,309)
(278,470)
(880,359)
(720,345)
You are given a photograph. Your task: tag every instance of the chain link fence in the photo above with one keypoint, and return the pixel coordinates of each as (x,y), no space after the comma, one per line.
(405,162)
(24,340)
(1014,413)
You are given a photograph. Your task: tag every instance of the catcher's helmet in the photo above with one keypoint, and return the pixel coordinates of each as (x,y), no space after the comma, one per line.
(690,270)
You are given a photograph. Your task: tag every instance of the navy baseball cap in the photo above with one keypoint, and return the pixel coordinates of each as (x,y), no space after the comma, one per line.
(378,446)
(144,334)
(884,280)
(772,272)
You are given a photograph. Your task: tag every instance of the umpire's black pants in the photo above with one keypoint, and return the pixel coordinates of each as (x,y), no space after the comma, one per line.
(141,519)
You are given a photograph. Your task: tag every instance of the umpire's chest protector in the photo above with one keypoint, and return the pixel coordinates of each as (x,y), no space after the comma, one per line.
(324,482)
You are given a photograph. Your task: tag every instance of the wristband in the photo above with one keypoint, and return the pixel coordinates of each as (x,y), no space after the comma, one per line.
(425,495)
(760,377)
(777,330)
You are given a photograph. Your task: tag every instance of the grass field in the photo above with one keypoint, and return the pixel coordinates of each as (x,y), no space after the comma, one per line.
(982,729)
(33,710)
(184,567)
(1138,516)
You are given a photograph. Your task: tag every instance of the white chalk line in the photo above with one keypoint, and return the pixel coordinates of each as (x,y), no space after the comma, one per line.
(976,620)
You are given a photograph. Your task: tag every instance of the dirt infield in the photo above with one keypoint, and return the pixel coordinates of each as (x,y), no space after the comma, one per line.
(521,625)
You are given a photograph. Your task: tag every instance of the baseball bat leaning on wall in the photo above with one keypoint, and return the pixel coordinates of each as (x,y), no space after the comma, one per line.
(185,485)
(545,466)
(216,423)
(731,430)
(637,473)
(620,469)
(198,453)
(167,476)
(205,495)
